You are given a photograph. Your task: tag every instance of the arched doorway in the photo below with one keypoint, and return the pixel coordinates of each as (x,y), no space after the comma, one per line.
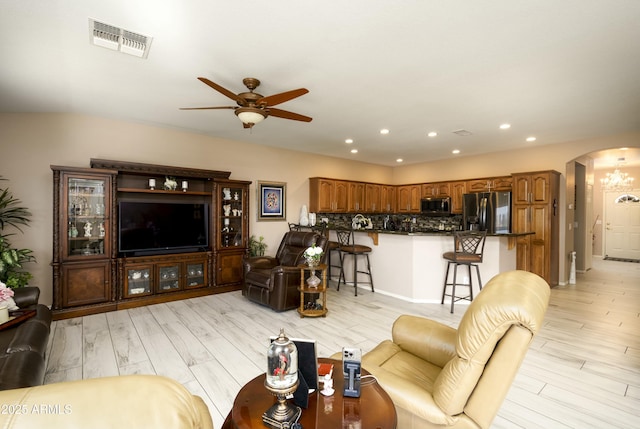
(586,225)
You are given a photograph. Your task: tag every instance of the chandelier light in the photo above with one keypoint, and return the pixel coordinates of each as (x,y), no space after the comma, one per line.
(617,181)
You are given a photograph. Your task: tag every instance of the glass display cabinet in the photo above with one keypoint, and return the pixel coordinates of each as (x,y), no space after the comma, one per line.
(231,222)
(196,274)
(83,237)
(168,277)
(139,280)
(87,214)
(104,261)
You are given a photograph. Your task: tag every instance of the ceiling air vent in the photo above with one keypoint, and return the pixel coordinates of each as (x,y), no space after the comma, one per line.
(462,133)
(118,39)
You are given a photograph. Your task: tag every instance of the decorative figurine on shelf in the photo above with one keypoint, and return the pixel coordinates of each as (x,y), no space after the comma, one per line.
(170,183)
(236,196)
(226,193)
(87,229)
(101,231)
(227,209)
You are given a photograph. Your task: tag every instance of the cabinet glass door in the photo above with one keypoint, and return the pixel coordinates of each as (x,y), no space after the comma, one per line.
(195,274)
(138,281)
(168,277)
(231,217)
(87,217)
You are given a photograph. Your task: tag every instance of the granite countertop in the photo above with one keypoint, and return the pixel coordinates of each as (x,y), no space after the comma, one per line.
(436,232)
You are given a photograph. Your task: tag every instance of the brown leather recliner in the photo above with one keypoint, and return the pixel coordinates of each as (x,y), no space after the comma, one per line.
(274,281)
(440,377)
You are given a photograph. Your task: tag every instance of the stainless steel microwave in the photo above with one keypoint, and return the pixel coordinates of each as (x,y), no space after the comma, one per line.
(436,206)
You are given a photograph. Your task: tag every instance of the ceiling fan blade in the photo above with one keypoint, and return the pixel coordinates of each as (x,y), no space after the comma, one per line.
(208,108)
(223,91)
(279,113)
(276,99)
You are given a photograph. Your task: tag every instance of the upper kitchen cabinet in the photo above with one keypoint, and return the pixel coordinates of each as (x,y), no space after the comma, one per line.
(408,198)
(532,188)
(458,189)
(440,189)
(356,200)
(388,198)
(502,183)
(328,195)
(372,197)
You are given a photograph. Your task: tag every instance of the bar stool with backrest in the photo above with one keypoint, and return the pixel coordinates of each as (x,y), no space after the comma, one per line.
(468,249)
(333,247)
(347,246)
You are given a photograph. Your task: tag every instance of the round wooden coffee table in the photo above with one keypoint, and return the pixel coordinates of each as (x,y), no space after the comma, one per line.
(372,410)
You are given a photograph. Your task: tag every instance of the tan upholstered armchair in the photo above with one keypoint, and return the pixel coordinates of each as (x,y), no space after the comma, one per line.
(274,281)
(441,377)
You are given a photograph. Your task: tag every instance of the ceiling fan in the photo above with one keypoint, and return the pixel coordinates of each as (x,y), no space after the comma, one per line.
(253,107)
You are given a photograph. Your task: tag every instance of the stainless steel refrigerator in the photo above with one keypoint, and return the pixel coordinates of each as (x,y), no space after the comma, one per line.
(487,211)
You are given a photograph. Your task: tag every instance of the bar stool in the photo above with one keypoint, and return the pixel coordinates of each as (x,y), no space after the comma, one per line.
(468,250)
(347,245)
(333,247)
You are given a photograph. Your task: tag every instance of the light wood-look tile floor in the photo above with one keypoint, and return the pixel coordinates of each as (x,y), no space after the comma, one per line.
(582,370)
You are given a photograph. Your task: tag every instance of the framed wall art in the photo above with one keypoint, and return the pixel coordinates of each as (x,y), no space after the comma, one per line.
(272,200)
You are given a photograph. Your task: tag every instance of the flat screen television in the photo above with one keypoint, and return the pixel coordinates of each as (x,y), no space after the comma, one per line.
(148,228)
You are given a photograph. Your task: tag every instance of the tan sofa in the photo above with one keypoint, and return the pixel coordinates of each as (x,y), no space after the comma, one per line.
(440,377)
(131,402)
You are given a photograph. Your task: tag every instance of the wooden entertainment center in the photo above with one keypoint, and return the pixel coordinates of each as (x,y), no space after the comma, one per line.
(94,273)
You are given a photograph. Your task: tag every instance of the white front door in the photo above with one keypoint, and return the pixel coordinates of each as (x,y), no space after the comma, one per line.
(622,225)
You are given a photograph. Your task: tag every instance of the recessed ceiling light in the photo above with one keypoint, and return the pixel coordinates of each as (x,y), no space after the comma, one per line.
(432,134)
(399,160)
(455,151)
(505,126)
(348,141)
(354,150)
(531,139)
(384,131)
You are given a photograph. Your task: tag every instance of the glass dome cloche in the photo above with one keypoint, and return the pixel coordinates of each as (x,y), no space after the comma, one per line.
(281,380)
(282,363)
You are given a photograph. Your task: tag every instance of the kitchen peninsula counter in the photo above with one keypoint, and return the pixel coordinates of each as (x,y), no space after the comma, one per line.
(409,265)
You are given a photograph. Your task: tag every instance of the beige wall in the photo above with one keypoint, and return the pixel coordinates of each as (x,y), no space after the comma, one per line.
(30,143)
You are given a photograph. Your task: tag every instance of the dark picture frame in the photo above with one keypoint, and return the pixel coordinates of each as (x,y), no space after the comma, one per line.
(272,201)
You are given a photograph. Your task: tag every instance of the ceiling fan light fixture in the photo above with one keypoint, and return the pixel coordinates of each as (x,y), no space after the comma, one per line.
(250,115)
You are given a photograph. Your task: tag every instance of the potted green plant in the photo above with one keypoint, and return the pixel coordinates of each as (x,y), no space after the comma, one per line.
(257,247)
(13,215)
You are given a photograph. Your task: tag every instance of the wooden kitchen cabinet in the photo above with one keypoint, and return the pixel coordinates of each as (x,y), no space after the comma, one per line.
(373,202)
(328,195)
(356,200)
(458,189)
(488,184)
(408,198)
(388,198)
(535,209)
(439,189)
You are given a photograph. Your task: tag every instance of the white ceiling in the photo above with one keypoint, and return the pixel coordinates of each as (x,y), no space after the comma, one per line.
(557,70)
